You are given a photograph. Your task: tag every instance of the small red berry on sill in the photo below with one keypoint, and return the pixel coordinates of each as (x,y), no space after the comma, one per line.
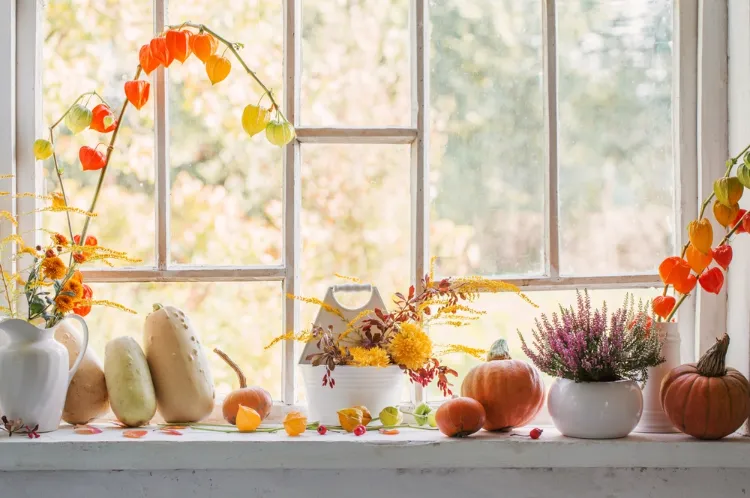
(535,433)
(322,430)
(359,430)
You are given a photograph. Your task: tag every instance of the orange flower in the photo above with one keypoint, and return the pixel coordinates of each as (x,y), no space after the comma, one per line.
(64,303)
(178,44)
(697,260)
(137,92)
(663,305)
(79,257)
(53,268)
(204,45)
(60,239)
(74,287)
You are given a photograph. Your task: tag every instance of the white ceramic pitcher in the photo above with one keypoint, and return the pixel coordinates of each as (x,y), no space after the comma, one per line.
(34,373)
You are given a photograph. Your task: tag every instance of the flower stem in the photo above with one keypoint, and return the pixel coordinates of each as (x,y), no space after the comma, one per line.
(62,187)
(7,292)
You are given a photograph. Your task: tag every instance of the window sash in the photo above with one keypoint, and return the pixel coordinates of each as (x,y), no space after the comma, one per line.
(694,20)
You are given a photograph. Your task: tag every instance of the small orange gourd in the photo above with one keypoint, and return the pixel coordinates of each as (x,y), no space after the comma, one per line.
(511,391)
(460,417)
(707,400)
(256,398)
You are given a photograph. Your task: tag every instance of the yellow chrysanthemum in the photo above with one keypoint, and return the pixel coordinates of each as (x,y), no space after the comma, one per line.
(65,303)
(53,268)
(74,286)
(373,357)
(411,347)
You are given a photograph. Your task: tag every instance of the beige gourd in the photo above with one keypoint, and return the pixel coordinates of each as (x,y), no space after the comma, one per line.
(179,367)
(131,391)
(87,394)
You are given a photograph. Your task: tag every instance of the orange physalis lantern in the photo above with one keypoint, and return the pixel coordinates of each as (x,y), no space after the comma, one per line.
(696,259)
(147,60)
(663,305)
(712,280)
(701,235)
(160,52)
(204,45)
(686,286)
(723,256)
(217,68)
(178,44)
(740,218)
(102,119)
(725,215)
(88,293)
(91,159)
(673,269)
(137,92)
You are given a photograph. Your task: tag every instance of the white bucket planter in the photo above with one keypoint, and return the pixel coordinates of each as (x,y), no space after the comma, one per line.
(654,420)
(372,387)
(595,410)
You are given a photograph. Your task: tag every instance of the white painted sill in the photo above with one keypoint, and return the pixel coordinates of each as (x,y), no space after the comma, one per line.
(411,449)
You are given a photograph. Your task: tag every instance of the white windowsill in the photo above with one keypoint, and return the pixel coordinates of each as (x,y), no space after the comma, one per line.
(199,450)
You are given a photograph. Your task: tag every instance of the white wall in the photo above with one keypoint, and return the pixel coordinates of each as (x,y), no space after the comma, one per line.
(438,483)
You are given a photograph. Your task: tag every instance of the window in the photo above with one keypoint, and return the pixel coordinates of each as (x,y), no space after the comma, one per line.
(526,140)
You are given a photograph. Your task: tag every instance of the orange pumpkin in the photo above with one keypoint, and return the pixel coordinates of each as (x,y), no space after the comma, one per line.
(511,391)
(256,398)
(707,400)
(460,417)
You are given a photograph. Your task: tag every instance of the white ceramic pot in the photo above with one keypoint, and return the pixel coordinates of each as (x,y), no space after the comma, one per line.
(34,373)
(372,387)
(595,410)
(654,420)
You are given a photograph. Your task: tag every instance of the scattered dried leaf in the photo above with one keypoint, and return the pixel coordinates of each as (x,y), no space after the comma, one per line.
(133,434)
(87,430)
(171,432)
(389,432)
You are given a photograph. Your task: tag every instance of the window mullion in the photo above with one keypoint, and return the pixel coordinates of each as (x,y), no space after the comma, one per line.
(292,197)
(552,219)
(8,123)
(420,87)
(161,142)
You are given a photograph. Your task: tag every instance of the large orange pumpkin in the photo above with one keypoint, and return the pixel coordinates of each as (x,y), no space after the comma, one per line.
(511,391)
(256,398)
(707,400)
(460,417)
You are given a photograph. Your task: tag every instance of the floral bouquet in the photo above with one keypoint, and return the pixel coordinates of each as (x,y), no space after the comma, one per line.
(375,338)
(585,345)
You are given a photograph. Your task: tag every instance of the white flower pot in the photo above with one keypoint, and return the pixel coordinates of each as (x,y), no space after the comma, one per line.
(595,410)
(372,387)
(654,420)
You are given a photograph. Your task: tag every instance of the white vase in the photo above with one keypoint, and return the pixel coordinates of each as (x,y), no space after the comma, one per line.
(372,387)
(595,410)
(654,420)
(34,373)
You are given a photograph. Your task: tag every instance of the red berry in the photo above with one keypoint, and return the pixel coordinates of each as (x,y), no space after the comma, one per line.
(322,429)
(359,430)
(535,433)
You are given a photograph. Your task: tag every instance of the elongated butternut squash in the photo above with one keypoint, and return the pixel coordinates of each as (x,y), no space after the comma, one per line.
(87,394)
(131,391)
(179,367)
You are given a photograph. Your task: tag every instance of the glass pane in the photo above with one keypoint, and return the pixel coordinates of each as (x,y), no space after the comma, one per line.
(226,186)
(616,165)
(239,318)
(355,220)
(506,315)
(355,64)
(82,54)
(487,138)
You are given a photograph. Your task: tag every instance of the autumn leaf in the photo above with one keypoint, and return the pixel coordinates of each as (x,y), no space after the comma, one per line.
(133,434)
(87,430)
(171,432)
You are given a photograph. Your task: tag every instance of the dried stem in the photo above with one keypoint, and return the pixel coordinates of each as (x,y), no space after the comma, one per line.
(7,292)
(235,367)
(712,364)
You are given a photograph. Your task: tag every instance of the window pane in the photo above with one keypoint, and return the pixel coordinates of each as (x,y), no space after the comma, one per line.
(355,219)
(239,318)
(616,166)
(355,64)
(226,186)
(506,315)
(488,137)
(81,55)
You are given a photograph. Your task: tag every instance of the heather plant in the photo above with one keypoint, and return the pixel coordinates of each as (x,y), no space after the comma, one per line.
(586,345)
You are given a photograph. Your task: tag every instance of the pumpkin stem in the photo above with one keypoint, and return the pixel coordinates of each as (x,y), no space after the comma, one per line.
(157,306)
(712,363)
(499,351)
(235,367)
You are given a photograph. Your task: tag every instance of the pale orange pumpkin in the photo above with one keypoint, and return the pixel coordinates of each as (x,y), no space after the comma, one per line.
(707,400)
(511,391)
(256,398)
(460,417)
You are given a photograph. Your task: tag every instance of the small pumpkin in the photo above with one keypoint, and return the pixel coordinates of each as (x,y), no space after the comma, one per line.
(460,417)
(707,400)
(256,398)
(511,391)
